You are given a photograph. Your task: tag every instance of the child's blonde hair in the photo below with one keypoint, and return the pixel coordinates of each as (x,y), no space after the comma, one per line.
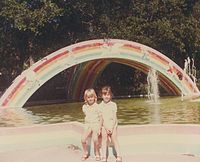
(90,92)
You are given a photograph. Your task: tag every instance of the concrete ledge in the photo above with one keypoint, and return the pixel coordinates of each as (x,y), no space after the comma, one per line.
(180,142)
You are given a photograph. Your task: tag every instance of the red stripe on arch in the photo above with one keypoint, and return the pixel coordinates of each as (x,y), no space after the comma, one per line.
(137,48)
(158,58)
(86,46)
(50,60)
(5,102)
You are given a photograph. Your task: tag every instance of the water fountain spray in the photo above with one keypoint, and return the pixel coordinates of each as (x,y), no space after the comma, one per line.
(153,90)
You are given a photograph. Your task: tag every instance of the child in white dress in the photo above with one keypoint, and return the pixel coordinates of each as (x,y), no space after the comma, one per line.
(93,123)
(109,127)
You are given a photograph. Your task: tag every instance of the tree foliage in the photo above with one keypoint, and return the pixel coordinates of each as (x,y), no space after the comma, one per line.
(37,27)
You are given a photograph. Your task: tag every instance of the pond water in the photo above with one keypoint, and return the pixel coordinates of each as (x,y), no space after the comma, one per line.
(169,110)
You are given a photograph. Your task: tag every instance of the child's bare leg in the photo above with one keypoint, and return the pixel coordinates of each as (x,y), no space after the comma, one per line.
(115,141)
(84,138)
(96,144)
(100,140)
(104,142)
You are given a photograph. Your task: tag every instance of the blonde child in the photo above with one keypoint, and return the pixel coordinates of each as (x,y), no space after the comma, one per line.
(93,123)
(109,128)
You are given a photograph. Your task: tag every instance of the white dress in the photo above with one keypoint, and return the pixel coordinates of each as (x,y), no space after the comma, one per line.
(92,116)
(109,114)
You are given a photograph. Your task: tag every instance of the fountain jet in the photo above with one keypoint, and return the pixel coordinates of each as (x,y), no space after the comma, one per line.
(153,90)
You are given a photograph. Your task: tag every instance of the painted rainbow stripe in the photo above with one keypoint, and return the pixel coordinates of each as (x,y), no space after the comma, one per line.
(96,55)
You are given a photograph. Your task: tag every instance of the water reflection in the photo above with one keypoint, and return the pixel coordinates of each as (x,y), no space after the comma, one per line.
(16,117)
(155,115)
(170,110)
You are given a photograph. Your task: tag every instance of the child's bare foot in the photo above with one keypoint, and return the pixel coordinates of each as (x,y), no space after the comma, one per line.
(103,159)
(97,158)
(119,159)
(84,157)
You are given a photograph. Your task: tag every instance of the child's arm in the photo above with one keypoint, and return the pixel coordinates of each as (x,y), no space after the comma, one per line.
(114,116)
(101,120)
(84,109)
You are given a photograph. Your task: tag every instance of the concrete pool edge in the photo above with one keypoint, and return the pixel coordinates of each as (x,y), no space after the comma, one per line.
(77,126)
(171,140)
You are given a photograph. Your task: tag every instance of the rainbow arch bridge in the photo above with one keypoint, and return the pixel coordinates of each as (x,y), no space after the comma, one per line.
(97,54)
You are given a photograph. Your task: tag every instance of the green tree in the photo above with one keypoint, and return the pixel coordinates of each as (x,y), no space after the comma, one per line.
(37,28)
(22,23)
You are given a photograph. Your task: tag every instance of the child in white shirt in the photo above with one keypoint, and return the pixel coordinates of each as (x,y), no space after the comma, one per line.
(93,123)
(109,127)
